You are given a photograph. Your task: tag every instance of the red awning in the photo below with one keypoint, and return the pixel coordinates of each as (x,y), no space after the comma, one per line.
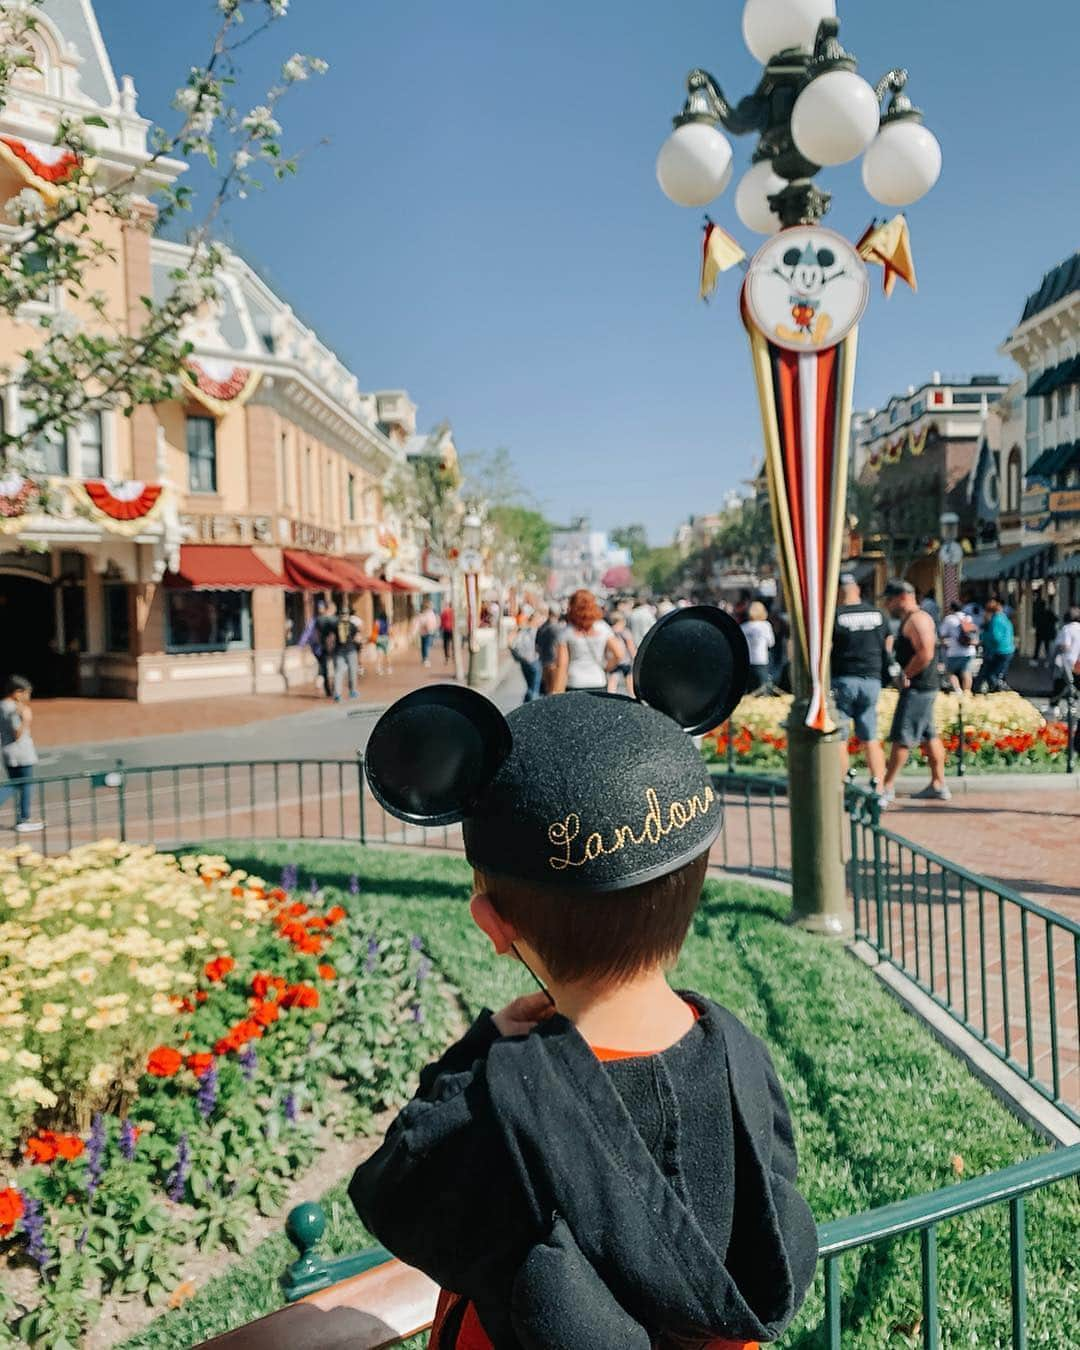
(319,572)
(370,583)
(221,567)
(404,587)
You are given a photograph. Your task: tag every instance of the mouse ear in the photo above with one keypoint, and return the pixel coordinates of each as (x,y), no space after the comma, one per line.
(433,753)
(693,665)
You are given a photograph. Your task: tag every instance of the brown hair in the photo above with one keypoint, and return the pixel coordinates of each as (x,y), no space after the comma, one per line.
(607,938)
(583,610)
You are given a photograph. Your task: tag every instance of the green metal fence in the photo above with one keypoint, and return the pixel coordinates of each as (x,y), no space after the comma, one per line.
(922,1214)
(1004,967)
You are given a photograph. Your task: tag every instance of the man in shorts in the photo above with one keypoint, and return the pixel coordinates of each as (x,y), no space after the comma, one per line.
(919,682)
(858,651)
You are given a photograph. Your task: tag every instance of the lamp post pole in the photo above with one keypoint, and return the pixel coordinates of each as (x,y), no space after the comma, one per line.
(810,109)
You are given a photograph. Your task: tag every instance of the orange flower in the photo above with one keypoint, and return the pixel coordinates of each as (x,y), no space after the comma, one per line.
(201,996)
(335,915)
(310,946)
(265,1014)
(200,1064)
(278,894)
(327,972)
(42,1149)
(301,996)
(265,986)
(164,1061)
(11,1210)
(317,925)
(237,891)
(218,968)
(297,910)
(69,1146)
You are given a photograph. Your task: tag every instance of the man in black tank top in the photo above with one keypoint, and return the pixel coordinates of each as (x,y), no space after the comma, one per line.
(913,724)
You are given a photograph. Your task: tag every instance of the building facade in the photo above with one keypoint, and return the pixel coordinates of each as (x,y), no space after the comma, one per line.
(914,460)
(1042,471)
(181,552)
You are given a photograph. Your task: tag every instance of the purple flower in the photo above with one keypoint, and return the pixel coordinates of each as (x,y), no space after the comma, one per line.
(290,875)
(289,1107)
(95,1153)
(354,884)
(249,1062)
(417,1013)
(417,944)
(372,956)
(314,886)
(127,1140)
(80,1241)
(206,1098)
(177,1178)
(33,1222)
(423,970)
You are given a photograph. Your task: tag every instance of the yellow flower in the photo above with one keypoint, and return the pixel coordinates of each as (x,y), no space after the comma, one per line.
(54,1009)
(47,1025)
(26,1059)
(100,1076)
(30,1090)
(95,1022)
(85,975)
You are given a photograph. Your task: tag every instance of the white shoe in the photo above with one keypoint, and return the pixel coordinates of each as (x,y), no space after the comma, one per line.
(886,798)
(29,826)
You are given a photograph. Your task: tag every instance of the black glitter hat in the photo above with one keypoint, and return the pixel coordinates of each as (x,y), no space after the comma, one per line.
(584,791)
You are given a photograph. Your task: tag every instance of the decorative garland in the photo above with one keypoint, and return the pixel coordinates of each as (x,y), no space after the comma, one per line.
(219,385)
(44,167)
(18,497)
(894,450)
(123,508)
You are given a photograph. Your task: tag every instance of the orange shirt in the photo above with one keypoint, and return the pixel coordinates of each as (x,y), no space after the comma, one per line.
(471,1335)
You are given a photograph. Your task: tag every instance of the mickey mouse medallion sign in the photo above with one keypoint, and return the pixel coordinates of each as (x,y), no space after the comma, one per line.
(802,300)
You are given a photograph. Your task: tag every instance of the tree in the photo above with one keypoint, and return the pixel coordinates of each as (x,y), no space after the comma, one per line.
(745,537)
(61,239)
(632,537)
(525,532)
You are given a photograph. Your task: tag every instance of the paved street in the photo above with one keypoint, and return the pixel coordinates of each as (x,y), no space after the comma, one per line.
(77,735)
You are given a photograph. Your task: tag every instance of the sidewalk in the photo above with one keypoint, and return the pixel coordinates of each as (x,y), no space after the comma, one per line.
(62,722)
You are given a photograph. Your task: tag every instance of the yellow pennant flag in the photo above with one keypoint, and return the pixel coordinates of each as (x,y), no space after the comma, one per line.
(889,244)
(719,254)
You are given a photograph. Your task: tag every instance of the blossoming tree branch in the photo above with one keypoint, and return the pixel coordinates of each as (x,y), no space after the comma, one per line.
(58,237)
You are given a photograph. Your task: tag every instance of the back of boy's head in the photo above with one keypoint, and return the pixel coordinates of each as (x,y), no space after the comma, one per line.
(17,684)
(605,938)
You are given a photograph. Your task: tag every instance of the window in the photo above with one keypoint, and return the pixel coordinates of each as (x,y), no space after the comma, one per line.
(351,489)
(918,408)
(1065,401)
(1048,407)
(295,617)
(207,621)
(894,415)
(48,453)
(117,618)
(91,458)
(1012,482)
(202,454)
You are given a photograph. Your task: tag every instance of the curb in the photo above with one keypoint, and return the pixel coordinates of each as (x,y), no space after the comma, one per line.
(1000,782)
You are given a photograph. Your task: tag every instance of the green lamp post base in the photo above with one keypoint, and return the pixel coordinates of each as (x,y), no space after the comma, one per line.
(819,890)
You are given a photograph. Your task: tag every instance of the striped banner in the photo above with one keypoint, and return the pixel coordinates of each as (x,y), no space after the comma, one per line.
(806,402)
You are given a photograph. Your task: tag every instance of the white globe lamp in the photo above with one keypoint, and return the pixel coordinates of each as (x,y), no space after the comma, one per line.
(902,164)
(835,118)
(771,26)
(695,164)
(752,195)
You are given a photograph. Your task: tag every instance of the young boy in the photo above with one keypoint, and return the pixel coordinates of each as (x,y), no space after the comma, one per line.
(19,754)
(608,1165)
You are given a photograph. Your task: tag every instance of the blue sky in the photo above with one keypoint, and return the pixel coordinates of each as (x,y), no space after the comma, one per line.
(485,229)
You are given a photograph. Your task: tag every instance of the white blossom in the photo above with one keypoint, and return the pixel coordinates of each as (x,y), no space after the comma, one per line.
(261,123)
(278,8)
(295,68)
(186,98)
(65,325)
(241,160)
(27,207)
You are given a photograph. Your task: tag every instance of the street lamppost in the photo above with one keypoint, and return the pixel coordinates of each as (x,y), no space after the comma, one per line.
(801,306)
(472,561)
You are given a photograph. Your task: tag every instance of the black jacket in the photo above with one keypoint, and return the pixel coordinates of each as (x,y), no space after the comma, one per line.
(583,1206)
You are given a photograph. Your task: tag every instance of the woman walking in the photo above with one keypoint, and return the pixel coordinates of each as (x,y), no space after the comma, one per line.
(587,648)
(624,667)
(427,625)
(761,639)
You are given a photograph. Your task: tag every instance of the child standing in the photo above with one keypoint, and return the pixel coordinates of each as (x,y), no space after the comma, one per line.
(609,1164)
(20,755)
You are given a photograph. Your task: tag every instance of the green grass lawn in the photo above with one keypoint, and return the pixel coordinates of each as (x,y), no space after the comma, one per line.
(881,1110)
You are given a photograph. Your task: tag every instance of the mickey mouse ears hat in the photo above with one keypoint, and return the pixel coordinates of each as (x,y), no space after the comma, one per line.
(588,792)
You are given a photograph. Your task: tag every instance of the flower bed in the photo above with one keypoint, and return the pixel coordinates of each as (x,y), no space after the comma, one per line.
(1000,731)
(173,1034)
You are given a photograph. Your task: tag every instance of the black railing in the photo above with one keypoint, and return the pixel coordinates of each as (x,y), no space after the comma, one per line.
(1004,967)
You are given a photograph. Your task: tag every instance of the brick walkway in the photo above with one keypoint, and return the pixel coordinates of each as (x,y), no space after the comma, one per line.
(78,721)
